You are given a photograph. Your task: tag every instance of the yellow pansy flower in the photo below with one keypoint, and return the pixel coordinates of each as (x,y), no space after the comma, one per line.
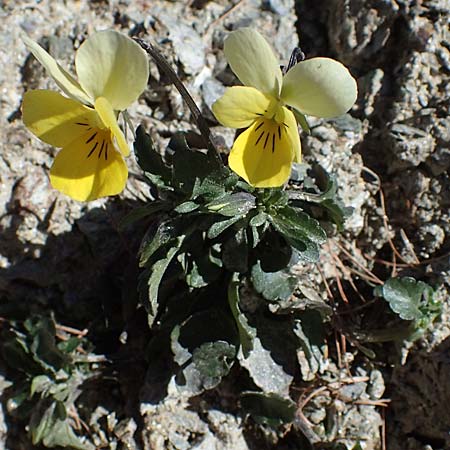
(112,72)
(321,87)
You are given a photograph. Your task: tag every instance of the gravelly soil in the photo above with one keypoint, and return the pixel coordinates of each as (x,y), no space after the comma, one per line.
(395,142)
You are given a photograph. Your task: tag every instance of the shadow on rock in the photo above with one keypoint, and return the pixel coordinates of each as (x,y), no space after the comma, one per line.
(420,408)
(86,279)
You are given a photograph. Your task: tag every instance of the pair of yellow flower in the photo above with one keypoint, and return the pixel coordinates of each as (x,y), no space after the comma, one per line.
(113,71)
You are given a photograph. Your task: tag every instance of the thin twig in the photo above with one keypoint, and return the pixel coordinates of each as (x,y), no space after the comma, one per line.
(347,271)
(223,16)
(409,246)
(371,275)
(195,111)
(383,402)
(385,221)
(70,330)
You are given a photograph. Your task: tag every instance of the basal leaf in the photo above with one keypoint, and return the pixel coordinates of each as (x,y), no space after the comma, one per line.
(271,361)
(214,360)
(246,332)
(40,383)
(17,355)
(203,347)
(405,296)
(43,346)
(269,409)
(157,272)
(272,198)
(202,269)
(273,286)
(52,428)
(265,372)
(305,250)
(335,212)
(259,220)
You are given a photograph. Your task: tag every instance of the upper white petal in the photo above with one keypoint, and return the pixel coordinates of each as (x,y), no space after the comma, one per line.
(319,87)
(111,65)
(63,79)
(252,60)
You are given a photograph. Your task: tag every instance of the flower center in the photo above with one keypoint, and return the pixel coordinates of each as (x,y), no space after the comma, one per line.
(274,111)
(269,133)
(100,141)
(97,141)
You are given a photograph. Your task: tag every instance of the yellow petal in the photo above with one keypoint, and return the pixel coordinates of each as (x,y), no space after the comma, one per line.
(320,87)
(240,106)
(89,168)
(55,119)
(286,117)
(111,65)
(252,60)
(105,111)
(262,154)
(63,79)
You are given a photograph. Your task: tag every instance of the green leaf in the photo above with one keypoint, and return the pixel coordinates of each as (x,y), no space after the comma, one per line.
(16,354)
(259,220)
(186,207)
(296,224)
(52,429)
(157,272)
(335,212)
(159,235)
(306,250)
(268,359)
(149,160)
(43,346)
(215,184)
(202,269)
(70,345)
(189,166)
(214,360)
(273,286)
(230,205)
(203,347)
(246,332)
(272,198)
(405,296)
(216,229)
(40,383)
(269,409)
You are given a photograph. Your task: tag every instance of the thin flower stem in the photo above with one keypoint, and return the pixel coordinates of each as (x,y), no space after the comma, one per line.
(195,111)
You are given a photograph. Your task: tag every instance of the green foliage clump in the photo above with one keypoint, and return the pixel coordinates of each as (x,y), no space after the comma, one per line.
(48,378)
(210,237)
